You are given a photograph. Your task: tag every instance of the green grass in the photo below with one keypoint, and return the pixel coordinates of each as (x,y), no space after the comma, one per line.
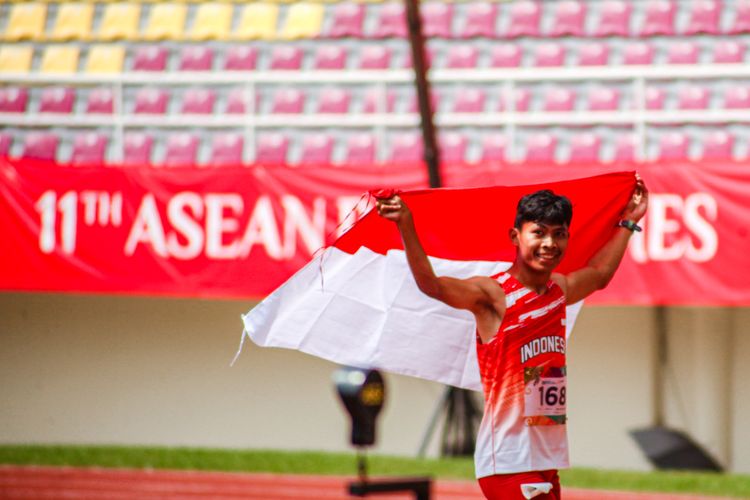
(737,486)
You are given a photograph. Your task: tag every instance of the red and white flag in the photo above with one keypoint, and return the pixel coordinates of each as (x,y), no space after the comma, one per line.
(358,304)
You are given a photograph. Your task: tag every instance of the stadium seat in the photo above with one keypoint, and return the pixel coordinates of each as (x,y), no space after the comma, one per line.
(57,100)
(13,99)
(89,148)
(585,147)
(704,17)
(288,100)
(462,57)
(105,59)
(73,21)
(15,59)
(481,20)
(375,57)
(452,147)
(673,146)
(196,58)
(525,17)
(151,100)
(272,149)
(166,21)
(437,18)
(737,97)
(685,52)
(238,100)
(213,21)
(26,21)
(391,21)
(549,54)
(625,148)
(604,99)
(137,149)
(60,59)
(100,101)
(286,57)
(120,21)
(334,100)
(6,142)
(303,20)
(519,100)
(198,101)
(494,147)
(693,97)
(330,57)
(258,21)
(506,55)
(559,99)
(435,100)
(226,150)
(240,58)
(659,18)
(729,51)
(348,20)
(741,22)
(181,150)
(540,147)
(150,58)
(614,19)
(655,98)
(469,100)
(638,53)
(406,147)
(40,146)
(360,149)
(593,54)
(373,97)
(569,19)
(317,149)
(718,145)
(429,54)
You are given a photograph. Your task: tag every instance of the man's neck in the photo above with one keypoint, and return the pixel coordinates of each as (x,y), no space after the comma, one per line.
(534,280)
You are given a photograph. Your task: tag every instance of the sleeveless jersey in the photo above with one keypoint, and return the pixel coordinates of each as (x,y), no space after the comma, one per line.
(523,375)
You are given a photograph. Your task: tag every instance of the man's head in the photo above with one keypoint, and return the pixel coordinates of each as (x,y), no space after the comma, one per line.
(544,206)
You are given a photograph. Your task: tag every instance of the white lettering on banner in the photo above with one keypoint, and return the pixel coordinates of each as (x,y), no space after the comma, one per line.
(219,224)
(677,227)
(350,210)
(297,221)
(262,229)
(147,228)
(185,225)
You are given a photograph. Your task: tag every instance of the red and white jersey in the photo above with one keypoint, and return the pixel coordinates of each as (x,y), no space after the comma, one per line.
(523,374)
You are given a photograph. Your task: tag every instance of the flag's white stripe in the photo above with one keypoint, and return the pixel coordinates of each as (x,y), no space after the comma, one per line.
(367,311)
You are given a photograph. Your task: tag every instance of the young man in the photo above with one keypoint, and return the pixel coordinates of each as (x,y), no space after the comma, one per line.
(520,330)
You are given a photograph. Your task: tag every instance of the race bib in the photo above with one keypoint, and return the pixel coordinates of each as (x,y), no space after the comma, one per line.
(544,395)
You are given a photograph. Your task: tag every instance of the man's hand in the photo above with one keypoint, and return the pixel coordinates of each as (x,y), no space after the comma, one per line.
(393,209)
(638,203)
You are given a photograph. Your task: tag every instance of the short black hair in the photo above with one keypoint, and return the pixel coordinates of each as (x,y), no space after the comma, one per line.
(544,206)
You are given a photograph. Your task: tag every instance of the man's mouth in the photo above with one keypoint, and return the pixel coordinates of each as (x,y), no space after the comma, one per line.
(547,256)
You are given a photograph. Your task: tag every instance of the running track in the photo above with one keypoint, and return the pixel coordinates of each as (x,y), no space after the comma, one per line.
(114,484)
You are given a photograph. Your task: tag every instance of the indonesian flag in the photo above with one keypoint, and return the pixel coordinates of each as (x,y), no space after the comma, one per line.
(358,304)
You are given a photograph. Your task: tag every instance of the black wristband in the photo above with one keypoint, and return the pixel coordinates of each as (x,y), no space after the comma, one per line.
(629,224)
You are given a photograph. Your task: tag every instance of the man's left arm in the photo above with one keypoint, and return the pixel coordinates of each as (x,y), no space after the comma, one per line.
(601,268)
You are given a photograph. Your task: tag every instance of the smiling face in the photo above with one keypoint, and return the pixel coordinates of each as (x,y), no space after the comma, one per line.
(541,246)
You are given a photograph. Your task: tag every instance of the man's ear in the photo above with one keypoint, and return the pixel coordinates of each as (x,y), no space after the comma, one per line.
(513,235)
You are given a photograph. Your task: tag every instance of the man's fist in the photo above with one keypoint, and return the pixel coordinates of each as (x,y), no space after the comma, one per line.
(393,209)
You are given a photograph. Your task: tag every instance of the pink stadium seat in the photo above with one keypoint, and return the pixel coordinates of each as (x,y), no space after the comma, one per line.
(660,15)
(638,53)
(150,58)
(334,100)
(718,145)
(89,148)
(521,100)
(481,18)
(614,19)
(452,147)
(40,146)
(673,146)
(737,98)
(549,54)
(137,149)
(625,147)
(151,100)
(226,150)
(604,99)
(238,101)
(559,99)
(317,149)
(198,101)
(13,99)
(429,54)
(585,147)
(241,58)
(655,98)
(593,54)
(729,51)
(182,150)
(272,149)
(435,99)
(470,100)
(286,57)
(196,58)
(6,141)
(741,23)
(525,17)
(570,18)
(493,147)
(101,101)
(462,57)
(57,100)
(360,150)
(693,97)
(391,21)
(348,20)
(540,147)
(372,102)
(436,19)
(330,57)
(375,57)
(686,52)
(506,55)
(406,147)
(704,17)
(288,100)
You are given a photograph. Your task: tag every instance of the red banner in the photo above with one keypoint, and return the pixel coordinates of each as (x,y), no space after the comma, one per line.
(240,232)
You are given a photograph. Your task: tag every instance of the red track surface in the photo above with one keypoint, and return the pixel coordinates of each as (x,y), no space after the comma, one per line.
(112,484)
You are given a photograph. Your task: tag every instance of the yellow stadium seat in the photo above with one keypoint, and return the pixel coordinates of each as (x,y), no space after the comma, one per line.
(73,21)
(105,59)
(213,21)
(258,21)
(120,21)
(166,21)
(304,20)
(15,58)
(60,59)
(26,21)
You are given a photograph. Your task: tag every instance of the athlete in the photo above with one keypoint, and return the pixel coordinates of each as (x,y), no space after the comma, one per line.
(520,336)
